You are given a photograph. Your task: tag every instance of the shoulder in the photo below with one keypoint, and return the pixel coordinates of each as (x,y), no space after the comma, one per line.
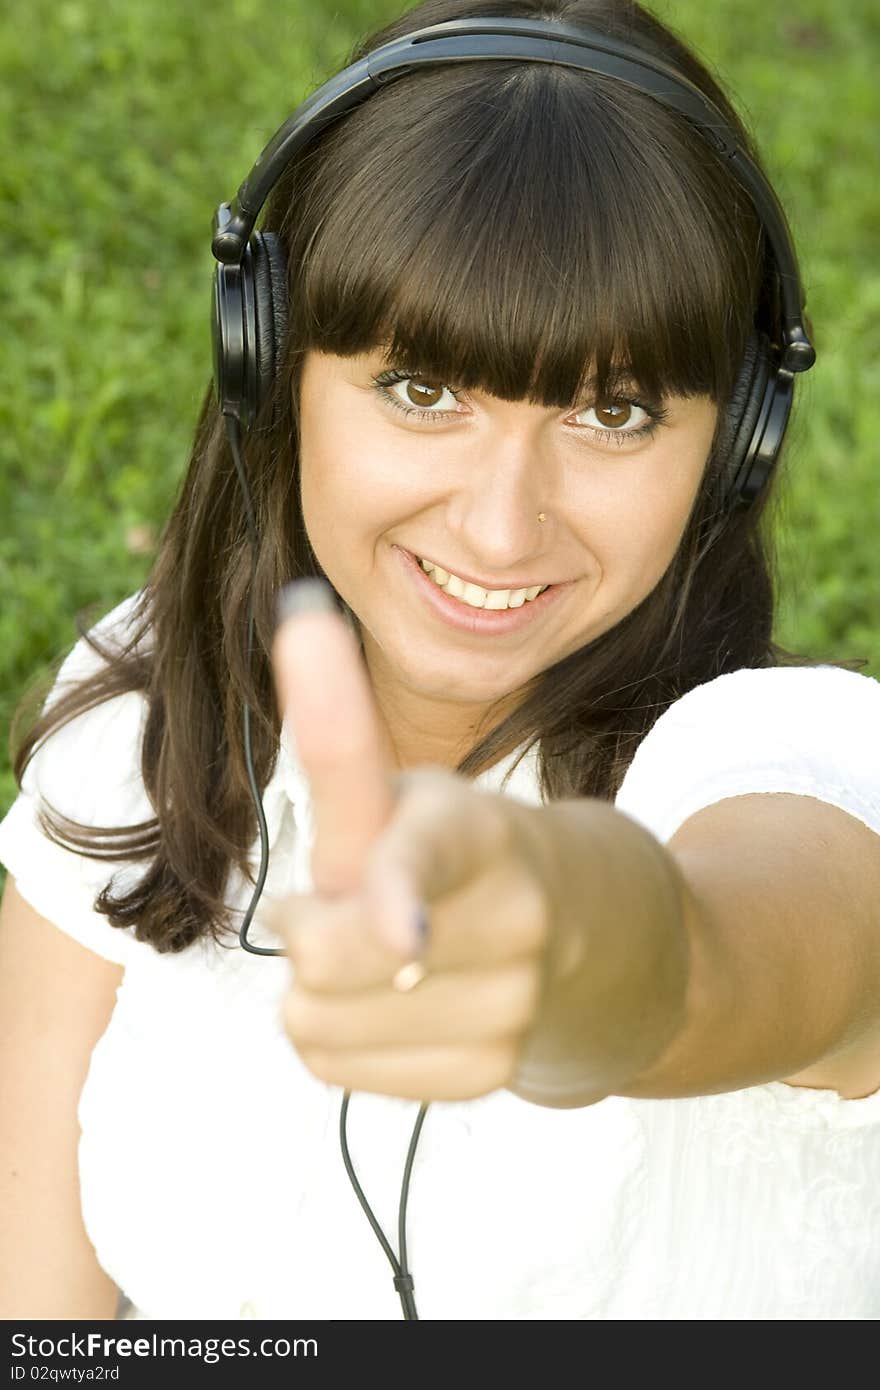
(783,701)
(115,631)
(86,771)
(97,745)
(796,690)
(807,729)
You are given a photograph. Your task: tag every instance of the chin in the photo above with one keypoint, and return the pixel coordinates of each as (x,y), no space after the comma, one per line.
(451,684)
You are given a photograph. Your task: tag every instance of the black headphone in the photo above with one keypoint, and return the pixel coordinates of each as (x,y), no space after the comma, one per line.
(250,316)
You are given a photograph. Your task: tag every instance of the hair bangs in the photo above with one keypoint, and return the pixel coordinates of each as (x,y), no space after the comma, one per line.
(530,236)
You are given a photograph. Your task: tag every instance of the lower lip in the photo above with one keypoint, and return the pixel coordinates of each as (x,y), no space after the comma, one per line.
(481,622)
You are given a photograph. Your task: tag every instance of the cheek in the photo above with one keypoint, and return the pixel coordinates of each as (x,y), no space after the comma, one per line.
(331,482)
(329,461)
(358,477)
(350,499)
(638,536)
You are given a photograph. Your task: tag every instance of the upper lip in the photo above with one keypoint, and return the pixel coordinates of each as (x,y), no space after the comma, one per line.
(512,584)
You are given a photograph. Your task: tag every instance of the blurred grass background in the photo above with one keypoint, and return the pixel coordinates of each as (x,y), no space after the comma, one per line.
(127,123)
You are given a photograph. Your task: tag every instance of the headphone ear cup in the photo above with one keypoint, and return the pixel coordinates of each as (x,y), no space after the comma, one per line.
(744,419)
(268,269)
(228,339)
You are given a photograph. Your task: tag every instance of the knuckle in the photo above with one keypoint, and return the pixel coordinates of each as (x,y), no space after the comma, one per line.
(312,962)
(300,1021)
(525,993)
(499,825)
(428,793)
(510,1005)
(492,1067)
(290,918)
(314,971)
(322,1063)
(530,905)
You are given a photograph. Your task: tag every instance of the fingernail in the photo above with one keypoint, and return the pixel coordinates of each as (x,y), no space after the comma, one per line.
(402,919)
(422,930)
(414,939)
(304,596)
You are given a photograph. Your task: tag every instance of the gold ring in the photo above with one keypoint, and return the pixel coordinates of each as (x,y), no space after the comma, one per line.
(408,976)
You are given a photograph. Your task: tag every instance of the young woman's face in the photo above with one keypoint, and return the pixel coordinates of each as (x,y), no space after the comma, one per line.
(461,483)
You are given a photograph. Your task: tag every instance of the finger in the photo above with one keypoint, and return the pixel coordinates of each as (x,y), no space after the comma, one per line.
(325,698)
(473,1007)
(331,944)
(421,1073)
(338,946)
(440,835)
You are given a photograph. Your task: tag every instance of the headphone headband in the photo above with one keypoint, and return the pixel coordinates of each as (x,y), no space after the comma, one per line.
(471,40)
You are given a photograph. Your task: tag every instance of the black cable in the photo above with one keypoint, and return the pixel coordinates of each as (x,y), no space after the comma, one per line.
(403,1281)
(232,434)
(404,1199)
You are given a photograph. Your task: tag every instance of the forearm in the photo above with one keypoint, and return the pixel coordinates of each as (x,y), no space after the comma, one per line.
(616,972)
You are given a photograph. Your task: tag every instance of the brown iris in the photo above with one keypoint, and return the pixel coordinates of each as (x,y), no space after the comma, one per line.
(615,413)
(423,392)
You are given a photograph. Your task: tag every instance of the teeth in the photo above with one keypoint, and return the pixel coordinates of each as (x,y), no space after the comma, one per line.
(456,586)
(474,596)
(498,599)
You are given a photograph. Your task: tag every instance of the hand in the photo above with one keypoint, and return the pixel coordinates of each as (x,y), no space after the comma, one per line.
(385,845)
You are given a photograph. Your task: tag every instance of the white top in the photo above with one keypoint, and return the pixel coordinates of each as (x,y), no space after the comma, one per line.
(212,1181)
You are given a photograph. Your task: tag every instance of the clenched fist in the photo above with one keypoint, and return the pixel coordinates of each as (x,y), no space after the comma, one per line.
(417,877)
(555,959)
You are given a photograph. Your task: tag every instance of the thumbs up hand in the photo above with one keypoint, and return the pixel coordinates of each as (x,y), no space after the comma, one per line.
(416,877)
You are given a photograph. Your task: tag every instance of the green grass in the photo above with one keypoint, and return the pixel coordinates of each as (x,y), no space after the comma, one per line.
(128,123)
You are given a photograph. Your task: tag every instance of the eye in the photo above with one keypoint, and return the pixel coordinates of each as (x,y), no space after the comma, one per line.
(416,395)
(615,416)
(622,421)
(427,401)
(417,391)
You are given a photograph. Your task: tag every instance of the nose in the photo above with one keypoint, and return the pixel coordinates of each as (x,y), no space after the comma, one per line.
(495,512)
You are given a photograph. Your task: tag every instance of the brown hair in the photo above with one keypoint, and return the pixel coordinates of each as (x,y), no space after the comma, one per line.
(525,183)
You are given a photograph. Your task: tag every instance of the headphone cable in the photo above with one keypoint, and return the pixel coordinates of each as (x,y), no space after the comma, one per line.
(403,1282)
(233,436)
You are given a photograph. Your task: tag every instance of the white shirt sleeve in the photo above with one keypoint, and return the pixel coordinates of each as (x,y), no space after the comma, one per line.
(810,730)
(813,731)
(88,770)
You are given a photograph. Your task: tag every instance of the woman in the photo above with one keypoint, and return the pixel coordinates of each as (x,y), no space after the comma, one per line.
(602,845)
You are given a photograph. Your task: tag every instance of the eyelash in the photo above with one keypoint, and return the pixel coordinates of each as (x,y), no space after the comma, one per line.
(656,413)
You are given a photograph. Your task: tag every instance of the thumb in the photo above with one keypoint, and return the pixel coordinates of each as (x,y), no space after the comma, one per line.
(325,697)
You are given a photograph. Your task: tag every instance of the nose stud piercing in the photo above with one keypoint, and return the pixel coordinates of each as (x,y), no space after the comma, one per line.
(542,516)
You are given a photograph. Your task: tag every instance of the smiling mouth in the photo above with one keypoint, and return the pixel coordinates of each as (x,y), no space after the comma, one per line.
(476,597)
